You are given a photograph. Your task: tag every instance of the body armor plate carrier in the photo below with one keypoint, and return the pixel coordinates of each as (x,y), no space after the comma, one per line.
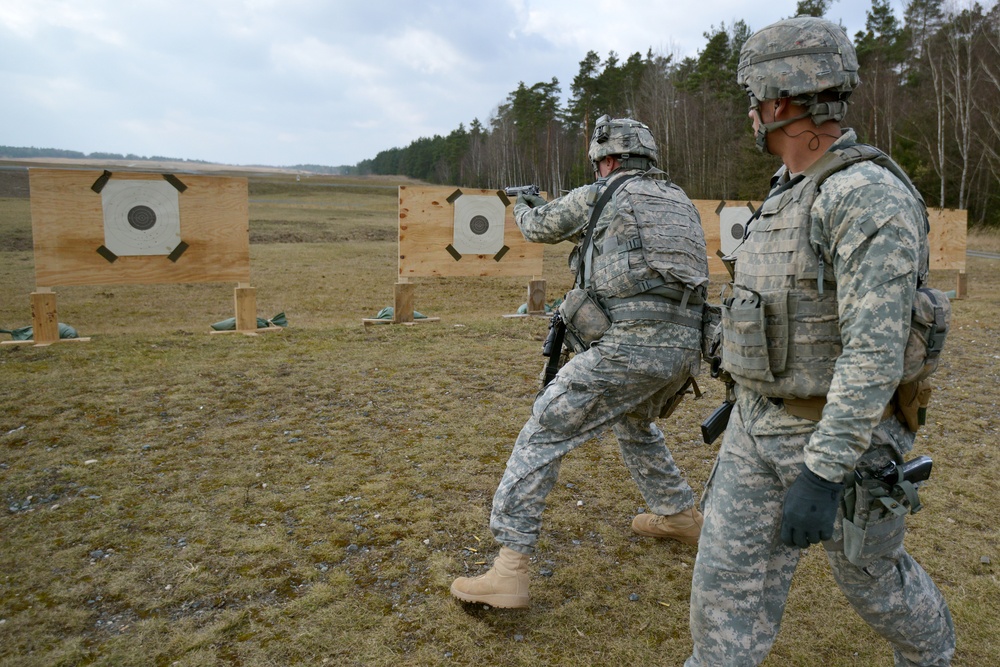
(781,335)
(653,262)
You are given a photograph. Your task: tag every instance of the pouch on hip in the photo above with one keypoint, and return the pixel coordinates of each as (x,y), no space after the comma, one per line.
(584,317)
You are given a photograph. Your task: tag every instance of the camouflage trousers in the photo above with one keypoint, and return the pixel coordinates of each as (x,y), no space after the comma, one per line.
(743,571)
(607,386)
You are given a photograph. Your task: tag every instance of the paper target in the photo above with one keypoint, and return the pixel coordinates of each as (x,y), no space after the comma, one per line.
(479,224)
(141,217)
(732,227)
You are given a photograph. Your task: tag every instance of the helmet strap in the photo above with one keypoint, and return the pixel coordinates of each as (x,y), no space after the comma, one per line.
(760,136)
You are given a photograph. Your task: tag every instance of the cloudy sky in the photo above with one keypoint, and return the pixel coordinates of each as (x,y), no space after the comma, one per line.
(333,82)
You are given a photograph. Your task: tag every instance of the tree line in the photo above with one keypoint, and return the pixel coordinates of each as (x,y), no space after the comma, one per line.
(930,97)
(16,152)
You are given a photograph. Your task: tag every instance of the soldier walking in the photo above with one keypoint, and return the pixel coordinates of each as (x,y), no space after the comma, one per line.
(813,335)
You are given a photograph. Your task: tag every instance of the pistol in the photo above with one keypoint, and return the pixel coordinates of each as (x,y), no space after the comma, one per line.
(553,347)
(516,190)
(716,423)
(915,470)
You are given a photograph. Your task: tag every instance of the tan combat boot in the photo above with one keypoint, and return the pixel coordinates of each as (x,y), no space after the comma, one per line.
(504,586)
(684,526)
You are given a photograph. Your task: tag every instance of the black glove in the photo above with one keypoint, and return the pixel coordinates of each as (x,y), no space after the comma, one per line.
(810,509)
(531,201)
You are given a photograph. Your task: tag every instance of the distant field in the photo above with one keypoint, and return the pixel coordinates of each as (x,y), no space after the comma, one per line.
(171,497)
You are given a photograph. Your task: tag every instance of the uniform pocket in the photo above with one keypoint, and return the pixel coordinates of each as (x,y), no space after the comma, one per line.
(708,486)
(566,406)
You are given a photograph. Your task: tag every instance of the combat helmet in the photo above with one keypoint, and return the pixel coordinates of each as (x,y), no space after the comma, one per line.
(628,140)
(799,58)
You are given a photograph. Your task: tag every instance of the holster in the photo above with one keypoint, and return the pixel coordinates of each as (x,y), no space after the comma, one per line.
(675,399)
(874,519)
(711,332)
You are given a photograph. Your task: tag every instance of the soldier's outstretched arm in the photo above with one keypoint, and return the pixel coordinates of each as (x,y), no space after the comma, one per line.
(563,219)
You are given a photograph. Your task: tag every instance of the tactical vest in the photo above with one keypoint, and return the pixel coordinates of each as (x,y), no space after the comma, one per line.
(653,263)
(781,330)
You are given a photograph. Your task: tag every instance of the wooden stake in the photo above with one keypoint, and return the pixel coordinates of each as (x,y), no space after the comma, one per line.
(403,309)
(246,308)
(43,318)
(536,296)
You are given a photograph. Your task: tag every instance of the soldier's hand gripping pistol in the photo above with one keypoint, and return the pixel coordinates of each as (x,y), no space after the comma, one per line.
(553,347)
(526,194)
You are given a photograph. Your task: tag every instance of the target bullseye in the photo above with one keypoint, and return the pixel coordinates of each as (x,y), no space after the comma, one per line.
(479,225)
(142,218)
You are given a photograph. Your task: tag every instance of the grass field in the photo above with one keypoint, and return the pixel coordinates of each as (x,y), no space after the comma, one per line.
(171,497)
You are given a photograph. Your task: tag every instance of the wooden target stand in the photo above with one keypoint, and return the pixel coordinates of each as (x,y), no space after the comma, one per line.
(79,238)
(439,230)
(245,306)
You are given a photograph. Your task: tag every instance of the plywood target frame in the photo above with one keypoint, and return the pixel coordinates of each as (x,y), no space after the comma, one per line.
(70,228)
(714,214)
(448,232)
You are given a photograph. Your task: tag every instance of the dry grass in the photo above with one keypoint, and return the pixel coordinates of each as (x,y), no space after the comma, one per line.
(985,239)
(173,497)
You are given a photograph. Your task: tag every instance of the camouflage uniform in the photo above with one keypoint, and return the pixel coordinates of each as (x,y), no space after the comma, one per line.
(867,228)
(621,382)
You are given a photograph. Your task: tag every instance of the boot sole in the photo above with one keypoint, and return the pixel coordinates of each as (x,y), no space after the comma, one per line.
(498,601)
(693,541)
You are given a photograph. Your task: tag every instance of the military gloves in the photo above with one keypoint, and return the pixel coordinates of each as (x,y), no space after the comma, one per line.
(532,201)
(810,509)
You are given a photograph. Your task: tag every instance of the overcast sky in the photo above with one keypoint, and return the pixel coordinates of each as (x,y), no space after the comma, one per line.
(332,82)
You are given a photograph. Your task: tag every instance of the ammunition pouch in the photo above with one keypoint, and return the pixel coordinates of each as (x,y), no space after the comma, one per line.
(584,318)
(929,323)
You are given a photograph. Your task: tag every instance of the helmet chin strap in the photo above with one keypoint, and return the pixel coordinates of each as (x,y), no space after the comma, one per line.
(760,136)
(820,112)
